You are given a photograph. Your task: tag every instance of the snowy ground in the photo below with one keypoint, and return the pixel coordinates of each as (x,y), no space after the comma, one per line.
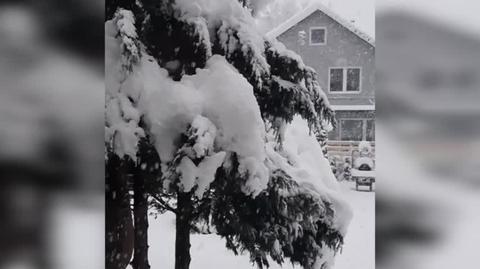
(359,248)
(209,251)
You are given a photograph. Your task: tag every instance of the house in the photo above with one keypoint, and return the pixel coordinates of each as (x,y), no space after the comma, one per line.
(344,58)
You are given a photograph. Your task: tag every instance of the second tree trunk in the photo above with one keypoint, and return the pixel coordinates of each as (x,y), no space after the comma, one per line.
(182,240)
(140,216)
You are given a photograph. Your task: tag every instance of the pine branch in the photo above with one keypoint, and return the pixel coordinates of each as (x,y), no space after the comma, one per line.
(164,204)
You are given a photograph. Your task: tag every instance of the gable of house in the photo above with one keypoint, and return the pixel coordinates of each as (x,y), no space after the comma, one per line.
(282,28)
(344,47)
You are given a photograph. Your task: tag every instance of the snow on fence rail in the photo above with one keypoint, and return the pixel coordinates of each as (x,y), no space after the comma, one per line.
(345,148)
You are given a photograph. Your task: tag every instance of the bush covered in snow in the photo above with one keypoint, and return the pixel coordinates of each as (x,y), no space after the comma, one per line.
(365,156)
(364,147)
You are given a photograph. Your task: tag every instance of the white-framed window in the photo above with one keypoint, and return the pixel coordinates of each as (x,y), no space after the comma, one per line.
(344,79)
(318,35)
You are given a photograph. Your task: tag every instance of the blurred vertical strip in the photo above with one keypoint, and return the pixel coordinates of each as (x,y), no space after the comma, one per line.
(428,135)
(51,134)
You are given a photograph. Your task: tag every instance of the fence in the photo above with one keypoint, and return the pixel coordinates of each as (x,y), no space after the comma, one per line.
(344,149)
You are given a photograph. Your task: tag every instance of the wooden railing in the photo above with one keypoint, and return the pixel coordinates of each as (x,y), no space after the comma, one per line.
(344,148)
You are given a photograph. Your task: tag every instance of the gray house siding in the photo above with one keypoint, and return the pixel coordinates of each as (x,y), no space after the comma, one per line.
(342,49)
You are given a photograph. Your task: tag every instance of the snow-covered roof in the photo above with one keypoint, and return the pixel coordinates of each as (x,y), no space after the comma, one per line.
(352,107)
(309,11)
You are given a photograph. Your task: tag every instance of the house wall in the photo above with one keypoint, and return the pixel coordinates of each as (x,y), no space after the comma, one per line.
(342,49)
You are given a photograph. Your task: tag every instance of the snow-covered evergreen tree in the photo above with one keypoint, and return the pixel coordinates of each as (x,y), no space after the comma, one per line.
(219,124)
(122,137)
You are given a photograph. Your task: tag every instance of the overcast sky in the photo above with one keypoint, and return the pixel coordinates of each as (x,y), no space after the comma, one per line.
(362,12)
(462,14)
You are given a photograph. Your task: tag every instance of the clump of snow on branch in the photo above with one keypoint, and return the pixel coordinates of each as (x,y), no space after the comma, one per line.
(125,22)
(121,54)
(232,27)
(201,30)
(170,106)
(303,159)
(200,175)
(283,51)
(234,109)
(203,132)
(229,102)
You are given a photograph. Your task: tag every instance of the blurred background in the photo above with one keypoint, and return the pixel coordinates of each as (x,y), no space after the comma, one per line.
(428,134)
(51,134)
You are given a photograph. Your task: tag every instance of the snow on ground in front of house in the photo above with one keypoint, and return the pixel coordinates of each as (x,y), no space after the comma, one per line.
(359,248)
(208,251)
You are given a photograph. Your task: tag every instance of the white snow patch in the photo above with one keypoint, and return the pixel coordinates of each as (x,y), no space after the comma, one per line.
(122,117)
(221,16)
(303,159)
(364,160)
(218,93)
(201,175)
(205,133)
(283,51)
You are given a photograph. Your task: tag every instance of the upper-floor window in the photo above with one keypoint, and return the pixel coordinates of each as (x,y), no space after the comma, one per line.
(318,36)
(345,80)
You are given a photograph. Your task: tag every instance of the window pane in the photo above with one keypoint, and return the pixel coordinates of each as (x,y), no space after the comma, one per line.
(370,130)
(353,80)
(351,130)
(317,36)
(336,80)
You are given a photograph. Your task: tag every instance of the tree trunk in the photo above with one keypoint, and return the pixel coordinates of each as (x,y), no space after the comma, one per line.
(140,216)
(182,240)
(118,216)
